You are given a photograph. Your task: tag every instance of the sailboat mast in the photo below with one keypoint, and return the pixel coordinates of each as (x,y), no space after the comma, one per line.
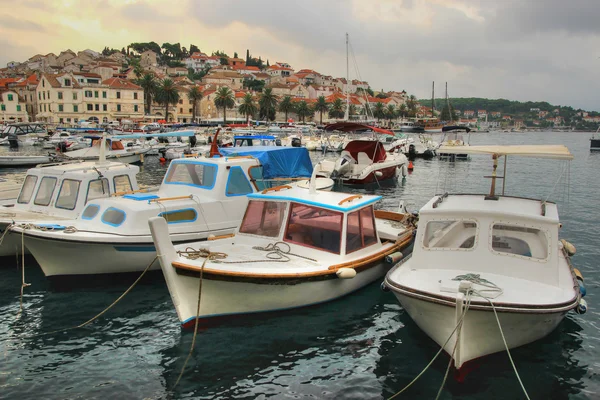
(433,100)
(448,102)
(347,113)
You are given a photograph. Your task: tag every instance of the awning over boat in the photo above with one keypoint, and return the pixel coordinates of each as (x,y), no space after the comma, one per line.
(372,148)
(558,152)
(354,126)
(277,161)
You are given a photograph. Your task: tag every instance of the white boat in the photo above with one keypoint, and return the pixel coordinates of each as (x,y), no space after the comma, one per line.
(478,255)
(293,248)
(57,192)
(453,138)
(114,151)
(23,134)
(198,197)
(26,160)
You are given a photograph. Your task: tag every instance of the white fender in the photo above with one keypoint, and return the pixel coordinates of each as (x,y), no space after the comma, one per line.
(346,273)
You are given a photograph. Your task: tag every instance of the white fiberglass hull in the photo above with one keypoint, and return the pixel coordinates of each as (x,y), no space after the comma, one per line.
(11,243)
(480,334)
(22,161)
(227,297)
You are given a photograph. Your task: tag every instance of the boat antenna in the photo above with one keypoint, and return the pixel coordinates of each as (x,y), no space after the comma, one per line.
(347,113)
(433,100)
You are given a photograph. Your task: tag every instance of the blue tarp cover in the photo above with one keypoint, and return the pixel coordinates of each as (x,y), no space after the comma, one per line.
(277,161)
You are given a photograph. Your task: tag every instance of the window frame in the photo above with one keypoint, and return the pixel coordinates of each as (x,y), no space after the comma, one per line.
(115,183)
(184,221)
(174,166)
(32,189)
(76,194)
(282,221)
(287,225)
(95,214)
(472,248)
(237,168)
(51,193)
(363,245)
(519,225)
(110,223)
(87,193)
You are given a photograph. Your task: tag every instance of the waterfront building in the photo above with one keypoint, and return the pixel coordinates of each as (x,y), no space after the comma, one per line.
(12,107)
(148,59)
(232,79)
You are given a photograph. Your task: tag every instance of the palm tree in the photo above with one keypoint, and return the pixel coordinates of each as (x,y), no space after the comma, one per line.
(303,110)
(149,84)
(352,110)
(286,106)
(391,112)
(167,94)
(379,111)
(321,107)
(403,110)
(224,98)
(194,96)
(267,104)
(248,107)
(337,109)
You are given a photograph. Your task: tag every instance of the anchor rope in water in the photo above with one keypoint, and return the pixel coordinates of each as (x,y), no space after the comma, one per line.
(103,311)
(208,255)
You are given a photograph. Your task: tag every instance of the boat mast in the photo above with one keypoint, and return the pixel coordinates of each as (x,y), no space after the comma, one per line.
(448,102)
(433,100)
(347,113)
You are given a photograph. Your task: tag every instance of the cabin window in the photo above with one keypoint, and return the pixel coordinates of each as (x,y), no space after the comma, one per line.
(27,189)
(519,240)
(256,175)
(263,218)
(237,183)
(67,196)
(314,227)
(360,230)
(179,216)
(122,183)
(45,191)
(450,234)
(192,174)
(113,216)
(97,189)
(90,211)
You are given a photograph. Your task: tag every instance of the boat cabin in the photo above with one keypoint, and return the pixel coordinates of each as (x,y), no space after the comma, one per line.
(334,224)
(508,236)
(254,140)
(63,189)
(196,195)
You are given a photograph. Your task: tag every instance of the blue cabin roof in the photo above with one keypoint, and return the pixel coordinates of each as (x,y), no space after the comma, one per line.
(277,161)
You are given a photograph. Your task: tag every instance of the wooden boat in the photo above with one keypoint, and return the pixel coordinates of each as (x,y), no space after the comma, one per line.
(293,248)
(478,255)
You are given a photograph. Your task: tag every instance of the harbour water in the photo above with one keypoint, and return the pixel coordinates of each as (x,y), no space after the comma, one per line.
(363,346)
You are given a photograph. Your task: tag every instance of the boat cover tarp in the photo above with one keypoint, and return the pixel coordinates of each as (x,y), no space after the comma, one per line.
(372,148)
(354,126)
(277,161)
(559,152)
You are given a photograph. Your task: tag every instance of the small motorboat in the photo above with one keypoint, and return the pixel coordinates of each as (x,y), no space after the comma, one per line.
(293,248)
(26,160)
(453,138)
(595,141)
(484,261)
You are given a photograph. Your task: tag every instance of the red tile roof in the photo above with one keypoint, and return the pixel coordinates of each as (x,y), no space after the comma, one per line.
(118,83)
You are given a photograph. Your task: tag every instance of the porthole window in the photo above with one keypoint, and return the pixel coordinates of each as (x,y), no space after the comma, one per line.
(113,216)
(90,211)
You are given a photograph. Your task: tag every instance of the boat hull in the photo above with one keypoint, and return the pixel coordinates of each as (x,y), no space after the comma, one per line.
(11,244)
(23,161)
(480,335)
(371,177)
(222,297)
(595,144)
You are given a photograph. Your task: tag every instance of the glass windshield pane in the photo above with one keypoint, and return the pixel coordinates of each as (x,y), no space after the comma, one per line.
(27,189)
(98,189)
(450,234)
(263,218)
(45,191)
(520,240)
(122,183)
(199,175)
(314,227)
(360,231)
(67,197)
(237,183)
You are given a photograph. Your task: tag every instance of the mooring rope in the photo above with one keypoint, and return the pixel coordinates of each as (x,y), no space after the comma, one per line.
(208,255)
(102,312)
(274,254)
(23,284)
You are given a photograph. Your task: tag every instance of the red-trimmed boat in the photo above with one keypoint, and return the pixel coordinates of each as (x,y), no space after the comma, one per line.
(363,161)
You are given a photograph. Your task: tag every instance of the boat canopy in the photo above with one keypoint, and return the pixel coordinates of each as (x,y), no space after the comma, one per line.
(277,161)
(373,148)
(354,126)
(456,128)
(558,152)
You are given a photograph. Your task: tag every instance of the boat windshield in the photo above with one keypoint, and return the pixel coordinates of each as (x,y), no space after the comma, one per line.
(192,174)
(314,227)
(519,240)
(450,235)
(263,218)
(360,232)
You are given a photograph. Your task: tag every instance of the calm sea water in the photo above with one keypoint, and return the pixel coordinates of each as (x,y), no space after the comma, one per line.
(360,347)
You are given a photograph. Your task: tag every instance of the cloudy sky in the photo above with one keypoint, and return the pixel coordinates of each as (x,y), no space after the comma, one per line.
(514,49)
